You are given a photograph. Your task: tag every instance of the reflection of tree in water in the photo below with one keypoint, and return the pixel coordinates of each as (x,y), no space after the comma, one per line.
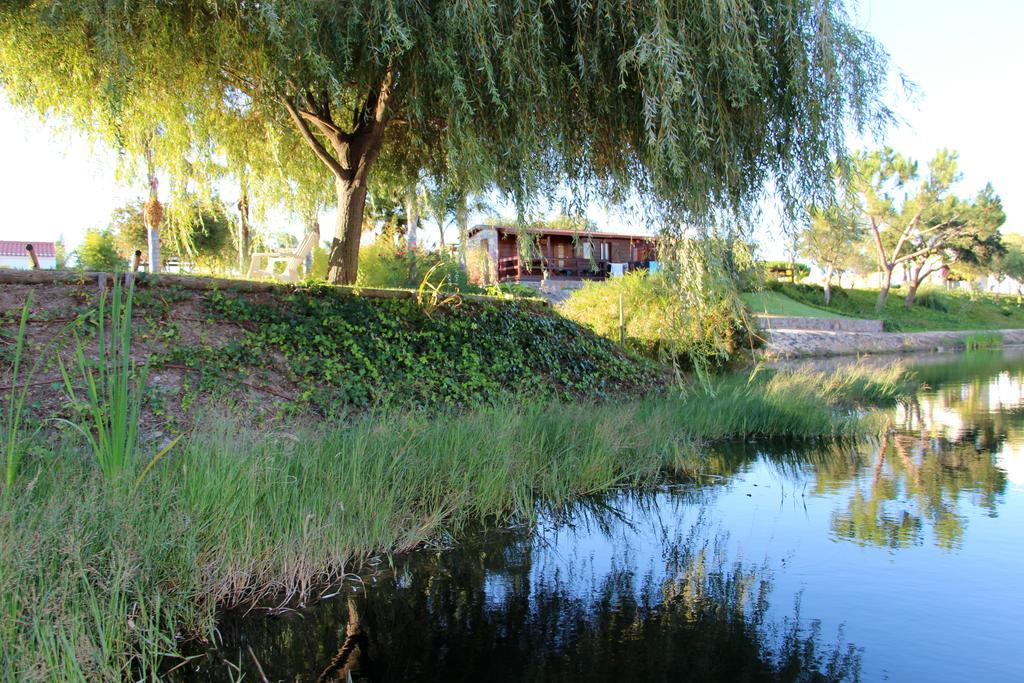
(917,481)
(941,453)
(482,613)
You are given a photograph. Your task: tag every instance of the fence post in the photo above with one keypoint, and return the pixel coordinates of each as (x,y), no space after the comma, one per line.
(32,256)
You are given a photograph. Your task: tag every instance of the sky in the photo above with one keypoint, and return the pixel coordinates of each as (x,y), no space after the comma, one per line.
(964,57)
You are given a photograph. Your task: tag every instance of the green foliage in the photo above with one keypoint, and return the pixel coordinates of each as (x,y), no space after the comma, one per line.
(983,340)
(936,299)
(384,265)
(834,232)
(511,289)
(105,580)
(945,310)
(113,387)
(656,323)
(98,252)
(128,224)
(1010,263)
(780,269)
(916,219)
(695,107)
(348,352)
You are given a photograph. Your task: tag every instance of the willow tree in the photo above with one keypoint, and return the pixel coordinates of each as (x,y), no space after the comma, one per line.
(694,106)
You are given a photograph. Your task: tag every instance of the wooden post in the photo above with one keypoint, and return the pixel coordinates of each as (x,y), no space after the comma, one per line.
(32,256)
(136,260)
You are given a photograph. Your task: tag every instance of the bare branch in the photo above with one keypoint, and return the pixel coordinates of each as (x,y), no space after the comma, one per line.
(336,168)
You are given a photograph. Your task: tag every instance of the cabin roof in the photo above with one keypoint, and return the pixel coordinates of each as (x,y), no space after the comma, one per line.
(511,229)
(17,248)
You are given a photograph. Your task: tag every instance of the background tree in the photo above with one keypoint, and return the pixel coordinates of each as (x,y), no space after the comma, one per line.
(98,252)
(833,232)
(915,220)
(696,106)
(957,234)
(202,231)
(1010,262)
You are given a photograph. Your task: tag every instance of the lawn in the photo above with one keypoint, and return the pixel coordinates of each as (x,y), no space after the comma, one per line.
(776,303)
(935,309)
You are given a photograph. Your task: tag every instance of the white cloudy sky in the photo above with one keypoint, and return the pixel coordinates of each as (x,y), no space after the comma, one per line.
(965,57)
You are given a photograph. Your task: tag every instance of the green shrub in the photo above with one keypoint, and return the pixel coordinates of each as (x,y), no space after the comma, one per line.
(383,265)
(774,269)
(656,323)
(98,252)
(935,299)
(983,340)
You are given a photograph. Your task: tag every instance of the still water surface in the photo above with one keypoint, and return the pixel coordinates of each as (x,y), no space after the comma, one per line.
(899,560)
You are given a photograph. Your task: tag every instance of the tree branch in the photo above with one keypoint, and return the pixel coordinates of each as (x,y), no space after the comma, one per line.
(333,164)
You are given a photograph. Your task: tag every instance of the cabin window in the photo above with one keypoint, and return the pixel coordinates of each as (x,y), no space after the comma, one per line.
(605,251)
(588,250)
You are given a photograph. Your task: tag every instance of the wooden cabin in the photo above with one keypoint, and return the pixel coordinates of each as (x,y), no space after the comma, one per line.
(496,256)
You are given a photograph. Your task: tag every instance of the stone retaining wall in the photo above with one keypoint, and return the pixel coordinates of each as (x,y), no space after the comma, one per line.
(799,343)
(783,322)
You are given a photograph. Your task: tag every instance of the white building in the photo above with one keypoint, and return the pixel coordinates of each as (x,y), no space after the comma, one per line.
(14,255)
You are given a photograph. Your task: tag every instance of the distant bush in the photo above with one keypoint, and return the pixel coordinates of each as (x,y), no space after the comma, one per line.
(98,252)
(809,294)
(935,299)
(774,269)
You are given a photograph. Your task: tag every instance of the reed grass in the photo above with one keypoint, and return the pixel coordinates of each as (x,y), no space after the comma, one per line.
(101,581)
(113,386)
(13,416)
(983,340)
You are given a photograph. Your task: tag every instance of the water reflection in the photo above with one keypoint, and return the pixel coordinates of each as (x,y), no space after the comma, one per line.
(516,606)
(912,545)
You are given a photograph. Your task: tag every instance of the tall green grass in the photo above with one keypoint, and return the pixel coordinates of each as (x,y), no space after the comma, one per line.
(102,579)
(113,386)
(983,340)
(13,416)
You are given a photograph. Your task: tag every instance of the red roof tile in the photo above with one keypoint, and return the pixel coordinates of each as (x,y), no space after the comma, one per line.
(596,234)
(15,248)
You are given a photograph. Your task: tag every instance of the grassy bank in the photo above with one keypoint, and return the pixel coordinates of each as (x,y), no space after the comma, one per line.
(316,349)
(934,310)
(101,577)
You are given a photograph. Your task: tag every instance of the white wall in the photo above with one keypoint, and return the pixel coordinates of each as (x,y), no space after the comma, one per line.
(23,263)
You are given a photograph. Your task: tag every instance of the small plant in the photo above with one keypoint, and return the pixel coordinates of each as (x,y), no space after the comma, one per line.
(983,340)
(113,387)
(432,296)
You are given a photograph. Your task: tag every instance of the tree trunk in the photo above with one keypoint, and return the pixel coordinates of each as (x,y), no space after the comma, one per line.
(244,231)
(153,212)
(912,278)
(883,291)
(343,262)
(828,284)
(354,154)
(908,300)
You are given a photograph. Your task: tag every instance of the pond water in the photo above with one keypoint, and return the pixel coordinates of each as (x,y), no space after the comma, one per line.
(898,560)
